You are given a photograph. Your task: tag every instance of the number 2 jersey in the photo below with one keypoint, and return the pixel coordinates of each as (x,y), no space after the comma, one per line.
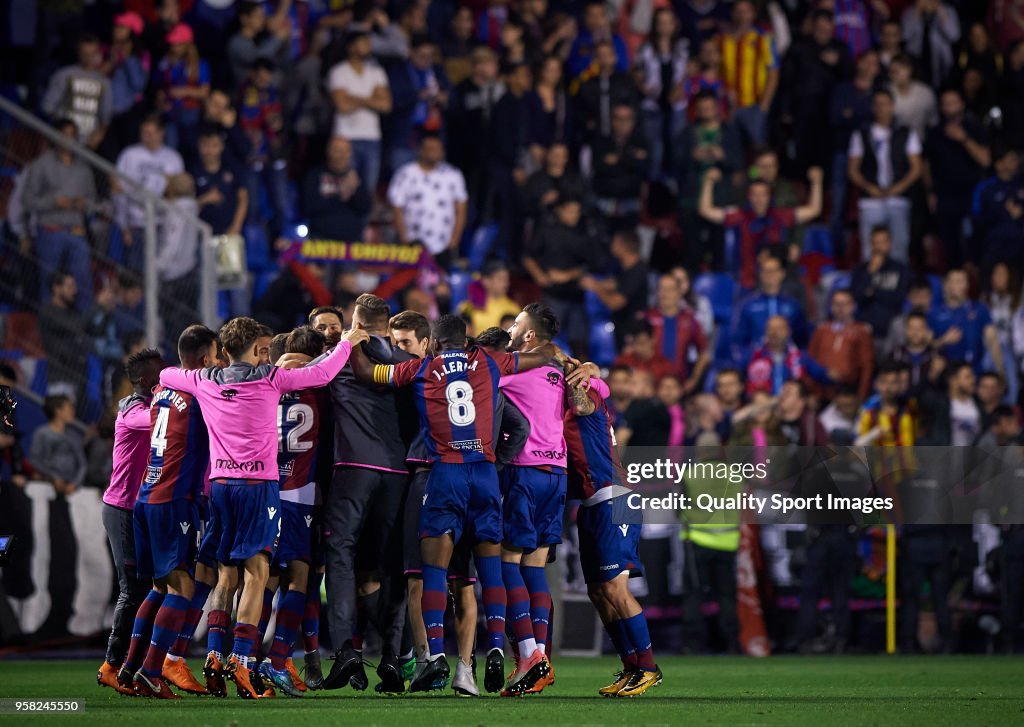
(299,418)
(456,398)
(179,454)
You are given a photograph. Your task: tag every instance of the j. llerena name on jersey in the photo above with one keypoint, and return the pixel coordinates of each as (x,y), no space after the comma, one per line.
(454,363)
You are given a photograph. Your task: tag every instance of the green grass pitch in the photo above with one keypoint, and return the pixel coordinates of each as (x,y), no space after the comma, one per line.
(824,692)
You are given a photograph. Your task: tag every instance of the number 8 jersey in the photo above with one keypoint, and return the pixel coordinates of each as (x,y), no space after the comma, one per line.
(456,397)
(179,454)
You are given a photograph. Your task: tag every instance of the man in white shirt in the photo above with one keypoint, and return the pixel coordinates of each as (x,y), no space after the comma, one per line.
(428,197)
(149,163)
(884,163)
(360,92)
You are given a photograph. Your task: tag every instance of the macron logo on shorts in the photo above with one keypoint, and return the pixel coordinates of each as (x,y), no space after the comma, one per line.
(271,511)
(184,527)
(625,529)
(309,520)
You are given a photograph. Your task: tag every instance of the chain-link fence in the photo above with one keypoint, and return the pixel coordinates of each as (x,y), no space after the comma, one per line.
(93,264)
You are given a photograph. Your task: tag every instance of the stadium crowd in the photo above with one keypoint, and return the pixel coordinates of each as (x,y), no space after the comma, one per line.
(779,221)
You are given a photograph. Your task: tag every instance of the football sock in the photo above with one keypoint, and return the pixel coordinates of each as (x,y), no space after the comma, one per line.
(268,609)
(640,640)
(617,630)
(311,615)
(434,601)
(142,629)
(218,623)
(245,643)
(540,603)
(166,627)
(488,568)
(519,609)
(188,629)
(289,619)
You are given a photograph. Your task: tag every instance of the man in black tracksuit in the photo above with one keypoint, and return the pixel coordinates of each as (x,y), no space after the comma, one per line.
(362,523)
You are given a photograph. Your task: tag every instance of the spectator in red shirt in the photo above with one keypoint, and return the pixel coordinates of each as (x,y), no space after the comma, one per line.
(678,336)
(642,355)
(844,345)
(758,223)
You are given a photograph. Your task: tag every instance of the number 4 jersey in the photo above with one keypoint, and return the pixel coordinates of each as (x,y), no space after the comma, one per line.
(456,397)
(179,454)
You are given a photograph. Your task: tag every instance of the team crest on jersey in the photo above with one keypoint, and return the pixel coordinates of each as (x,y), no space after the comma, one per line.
(184,527)
(554,378)
(229,394)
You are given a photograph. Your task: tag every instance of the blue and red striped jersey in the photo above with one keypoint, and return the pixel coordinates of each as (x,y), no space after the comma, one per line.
(456,398)
(592,451)
(298,425)
(179,453)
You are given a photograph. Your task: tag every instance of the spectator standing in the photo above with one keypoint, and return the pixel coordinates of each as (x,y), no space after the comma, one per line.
(677,335)
(607,88)
(918,352)
(551,118)
(419,91)
(662,61)
(553,181)
(879,285)
(997,212)
(471,109)
(839,419)
(758,224)
(778,360)
(220,188)
(957,155)
(701,20)
(183,85)
(557,257)
(621,163)
(335,200)
(850,110)
(178,257)
(811,70)
(252,42)
(149,163)
(914,100)
(641,352)
(360,91)
(885,162)
(82,93)
(57,455)
(750,69)
(844,346)
(508,148)
(597,30)
(429,201)
(930,28)
(261,119)
(60,190)
(128,67)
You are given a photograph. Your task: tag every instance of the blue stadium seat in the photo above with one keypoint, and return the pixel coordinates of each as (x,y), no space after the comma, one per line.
(30,417)
(93,389)
(257,248)
(596,310)
(459,281)
(720,290)
(936,282)
(480,245)
(602,342)
(40,378)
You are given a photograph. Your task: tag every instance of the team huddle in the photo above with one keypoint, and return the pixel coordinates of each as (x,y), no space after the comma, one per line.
(399,460)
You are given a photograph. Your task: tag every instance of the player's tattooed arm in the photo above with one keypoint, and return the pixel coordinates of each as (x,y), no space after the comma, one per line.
(580,401)
(582,373)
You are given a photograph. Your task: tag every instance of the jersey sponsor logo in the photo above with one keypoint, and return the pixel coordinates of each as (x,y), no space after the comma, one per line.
(229,394)
(271,511)
(549,454)
(285,469)
(457,365)
(184,527)
(250,466)
(625,529)
(473,445)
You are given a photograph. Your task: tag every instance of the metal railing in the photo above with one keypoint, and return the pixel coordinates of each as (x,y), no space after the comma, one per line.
(153,206)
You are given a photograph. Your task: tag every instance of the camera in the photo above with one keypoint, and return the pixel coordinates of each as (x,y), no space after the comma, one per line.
(6,543)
